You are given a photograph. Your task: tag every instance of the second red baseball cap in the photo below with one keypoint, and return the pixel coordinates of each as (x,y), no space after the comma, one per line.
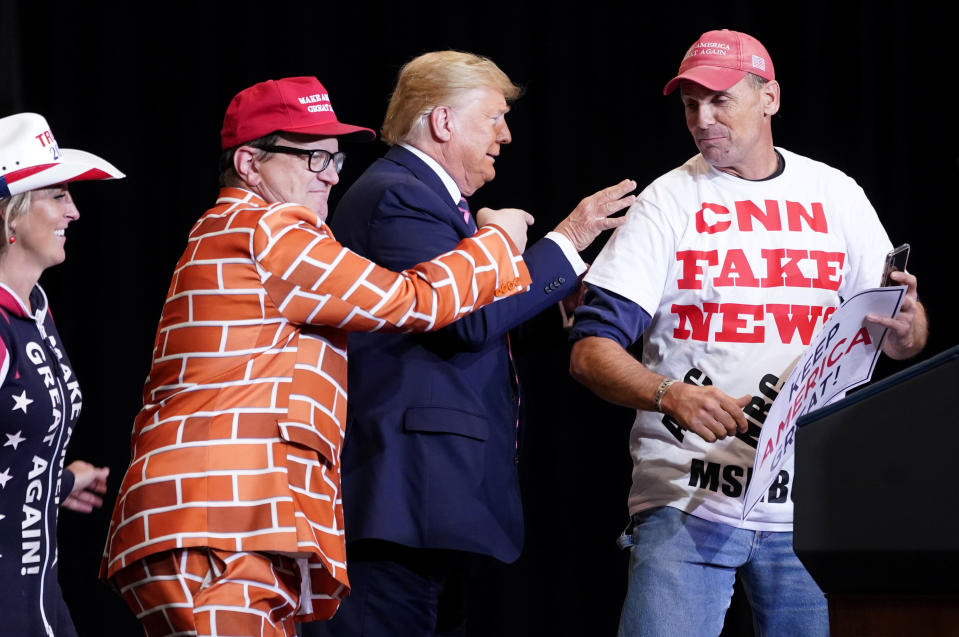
(719,59)
(291,105)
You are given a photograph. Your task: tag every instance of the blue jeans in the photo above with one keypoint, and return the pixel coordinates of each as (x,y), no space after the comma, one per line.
(681,574)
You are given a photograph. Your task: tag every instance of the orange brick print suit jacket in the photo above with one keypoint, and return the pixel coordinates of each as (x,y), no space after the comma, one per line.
(237,446)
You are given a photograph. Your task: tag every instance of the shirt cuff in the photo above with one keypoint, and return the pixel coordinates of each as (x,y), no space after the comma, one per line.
(579,266)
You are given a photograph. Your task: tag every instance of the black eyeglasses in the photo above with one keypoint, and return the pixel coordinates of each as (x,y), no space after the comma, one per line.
(318,159)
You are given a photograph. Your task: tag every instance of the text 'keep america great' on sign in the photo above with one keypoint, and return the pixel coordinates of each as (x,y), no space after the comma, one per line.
(842,356)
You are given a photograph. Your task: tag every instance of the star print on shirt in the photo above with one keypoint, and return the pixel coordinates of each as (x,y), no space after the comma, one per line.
(13,440)
(4,477)
(21,402)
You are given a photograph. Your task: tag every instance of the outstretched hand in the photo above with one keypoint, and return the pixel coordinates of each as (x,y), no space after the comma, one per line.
(592,215)
(88,482)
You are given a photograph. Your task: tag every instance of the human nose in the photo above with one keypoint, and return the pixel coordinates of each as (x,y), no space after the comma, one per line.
(504,136)
(704,116)
(329,174)
(71,212)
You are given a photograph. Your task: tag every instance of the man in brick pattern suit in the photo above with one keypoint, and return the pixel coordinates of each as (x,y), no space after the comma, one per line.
(229,519)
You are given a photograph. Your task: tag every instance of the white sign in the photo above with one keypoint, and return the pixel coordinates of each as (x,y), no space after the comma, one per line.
(842,356)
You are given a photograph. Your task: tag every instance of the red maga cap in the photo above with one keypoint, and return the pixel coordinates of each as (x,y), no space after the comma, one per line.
(290,105)
(719,59)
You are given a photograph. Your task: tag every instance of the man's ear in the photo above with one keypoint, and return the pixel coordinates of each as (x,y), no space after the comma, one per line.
(769,94)
(246,165)
(441,123)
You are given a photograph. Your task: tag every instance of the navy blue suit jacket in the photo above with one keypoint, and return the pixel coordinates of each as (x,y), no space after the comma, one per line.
(428,459)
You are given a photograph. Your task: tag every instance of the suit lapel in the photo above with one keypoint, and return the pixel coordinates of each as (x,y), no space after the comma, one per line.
(424,173)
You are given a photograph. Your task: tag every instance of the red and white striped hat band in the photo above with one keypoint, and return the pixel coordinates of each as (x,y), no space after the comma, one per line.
(30,157)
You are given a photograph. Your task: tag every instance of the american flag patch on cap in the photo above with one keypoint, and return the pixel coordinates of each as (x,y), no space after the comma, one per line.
(759,63)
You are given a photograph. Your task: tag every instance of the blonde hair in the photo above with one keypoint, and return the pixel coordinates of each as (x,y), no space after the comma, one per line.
(11,209)
(433,79)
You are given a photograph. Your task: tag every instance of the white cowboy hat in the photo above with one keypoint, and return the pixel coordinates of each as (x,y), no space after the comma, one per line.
(31,159)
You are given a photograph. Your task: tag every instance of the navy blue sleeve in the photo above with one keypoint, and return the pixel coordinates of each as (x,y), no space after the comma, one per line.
(609,315)
(67,480)
(410,224)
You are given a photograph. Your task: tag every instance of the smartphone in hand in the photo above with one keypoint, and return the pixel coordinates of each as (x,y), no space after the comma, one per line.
(895,261)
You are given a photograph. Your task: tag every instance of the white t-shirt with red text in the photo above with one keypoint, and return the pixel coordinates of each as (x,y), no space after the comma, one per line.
(738,276)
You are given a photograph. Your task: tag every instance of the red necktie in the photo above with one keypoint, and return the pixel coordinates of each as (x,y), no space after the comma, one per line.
(515,379)
(464,207)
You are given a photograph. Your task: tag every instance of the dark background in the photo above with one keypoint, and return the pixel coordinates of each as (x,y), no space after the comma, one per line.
(868,90)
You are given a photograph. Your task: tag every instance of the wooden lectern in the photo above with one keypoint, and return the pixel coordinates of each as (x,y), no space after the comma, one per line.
(877,503)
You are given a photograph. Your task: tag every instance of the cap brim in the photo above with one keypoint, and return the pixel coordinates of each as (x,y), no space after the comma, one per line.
(712,77)
(336,129)
(74,165)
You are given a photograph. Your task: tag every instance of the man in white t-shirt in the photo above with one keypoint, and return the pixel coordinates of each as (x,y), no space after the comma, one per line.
(727,266)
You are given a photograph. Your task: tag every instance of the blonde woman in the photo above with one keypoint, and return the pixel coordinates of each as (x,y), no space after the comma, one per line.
(40,399)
